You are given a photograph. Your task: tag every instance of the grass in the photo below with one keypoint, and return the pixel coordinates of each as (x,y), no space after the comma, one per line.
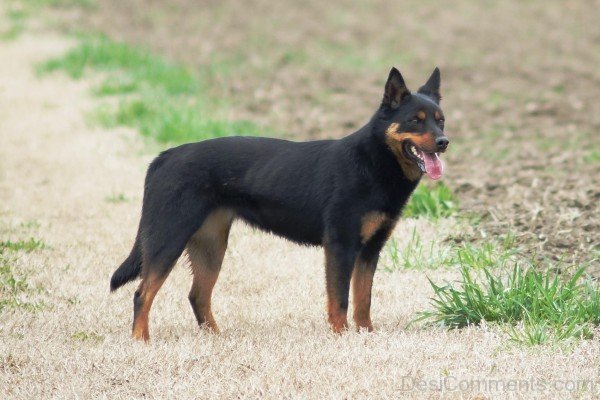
(87,337)
(16,24)
(419,255)
(22,245)
(163,100)
(432,202)
(416,255)
(592,156)
(171,120)
(537,307)
(14,286)
(59,3)
(134,67)
(116,198)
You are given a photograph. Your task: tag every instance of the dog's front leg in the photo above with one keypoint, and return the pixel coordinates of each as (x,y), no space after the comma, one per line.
(339,263)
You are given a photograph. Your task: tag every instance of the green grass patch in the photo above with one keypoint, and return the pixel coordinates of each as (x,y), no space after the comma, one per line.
(116,198)
(16,19)
(592,156)
(163,100)
(536,307)
(22,245)
(14,287)
(87,337)
(491,254)
(419,255)
(434,202)
(58,3)
(171,120)
(133,66)
(416,255)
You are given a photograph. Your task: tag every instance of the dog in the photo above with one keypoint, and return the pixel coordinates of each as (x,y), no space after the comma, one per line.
(345,195)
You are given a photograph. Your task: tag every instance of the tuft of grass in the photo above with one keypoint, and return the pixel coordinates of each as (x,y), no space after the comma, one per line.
(432,202)
(538,308)
(491,254)
(22,245)
(32,223)
(87,337)
(13,285)
(418,255)
(116,198)
(161,99)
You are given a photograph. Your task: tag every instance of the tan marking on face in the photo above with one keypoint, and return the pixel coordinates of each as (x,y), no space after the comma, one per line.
(395,140)
(371,222)
(392,129)
(438,115)
(421,115)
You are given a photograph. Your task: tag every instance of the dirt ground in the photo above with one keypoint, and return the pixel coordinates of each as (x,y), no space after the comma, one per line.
(519,158)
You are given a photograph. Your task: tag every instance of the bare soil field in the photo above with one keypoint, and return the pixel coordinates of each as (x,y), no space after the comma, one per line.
(520,85)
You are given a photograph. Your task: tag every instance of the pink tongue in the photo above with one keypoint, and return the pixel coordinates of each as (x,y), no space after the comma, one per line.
(433,165)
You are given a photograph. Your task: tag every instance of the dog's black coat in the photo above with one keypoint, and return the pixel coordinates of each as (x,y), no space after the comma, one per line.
(313,193)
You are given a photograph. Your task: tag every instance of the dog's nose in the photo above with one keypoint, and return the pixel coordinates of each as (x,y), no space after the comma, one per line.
(442,142)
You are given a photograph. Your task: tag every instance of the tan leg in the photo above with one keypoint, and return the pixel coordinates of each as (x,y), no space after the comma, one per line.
(206,250)
(362,282)
(142,302)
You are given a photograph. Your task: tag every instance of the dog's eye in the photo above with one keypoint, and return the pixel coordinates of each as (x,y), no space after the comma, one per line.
(415,120)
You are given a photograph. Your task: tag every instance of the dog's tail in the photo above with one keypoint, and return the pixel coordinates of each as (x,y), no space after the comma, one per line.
(130,269)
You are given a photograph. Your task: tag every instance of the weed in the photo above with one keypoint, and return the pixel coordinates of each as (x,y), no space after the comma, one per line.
(539,308)
(432,202)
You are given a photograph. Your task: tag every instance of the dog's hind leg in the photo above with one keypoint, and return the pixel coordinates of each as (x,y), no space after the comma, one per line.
(206,250)
(165,232)
(142,302)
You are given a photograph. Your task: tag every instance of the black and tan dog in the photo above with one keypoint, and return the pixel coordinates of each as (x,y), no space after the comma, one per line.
(345,195)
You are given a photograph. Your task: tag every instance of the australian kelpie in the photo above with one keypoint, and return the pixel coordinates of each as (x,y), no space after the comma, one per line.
(345,195)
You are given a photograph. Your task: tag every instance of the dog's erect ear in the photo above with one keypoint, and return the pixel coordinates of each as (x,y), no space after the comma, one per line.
(432,87)
(395,90)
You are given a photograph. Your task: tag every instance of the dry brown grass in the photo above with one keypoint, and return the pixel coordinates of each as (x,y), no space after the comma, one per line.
(269,301)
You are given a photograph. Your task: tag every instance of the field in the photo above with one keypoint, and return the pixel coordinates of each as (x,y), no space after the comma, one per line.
(90,91)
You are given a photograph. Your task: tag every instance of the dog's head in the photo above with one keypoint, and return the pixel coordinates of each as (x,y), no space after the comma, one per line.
(412,125)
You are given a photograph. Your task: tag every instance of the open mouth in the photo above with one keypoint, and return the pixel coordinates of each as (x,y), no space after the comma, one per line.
(429,163)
